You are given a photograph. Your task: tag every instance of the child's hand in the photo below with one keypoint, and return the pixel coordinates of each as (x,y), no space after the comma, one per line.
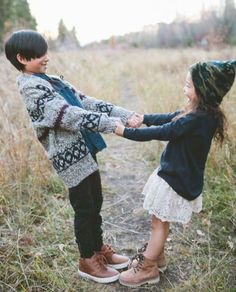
(135,121)
(119,130)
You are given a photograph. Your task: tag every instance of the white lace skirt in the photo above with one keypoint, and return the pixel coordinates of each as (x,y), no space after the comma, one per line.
(163,202)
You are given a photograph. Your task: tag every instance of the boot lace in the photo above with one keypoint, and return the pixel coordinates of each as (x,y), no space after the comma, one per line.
(100,261)
(143,248)
(109,249)
(140,251)
(140,259)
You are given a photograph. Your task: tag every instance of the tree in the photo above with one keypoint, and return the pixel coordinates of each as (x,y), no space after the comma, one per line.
(62,31)
(73,36)
(15,14)
(66,39)
(229,22)
(4,15)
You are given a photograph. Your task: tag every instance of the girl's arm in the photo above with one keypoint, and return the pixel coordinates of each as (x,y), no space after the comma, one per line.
(166,132)
(159,119)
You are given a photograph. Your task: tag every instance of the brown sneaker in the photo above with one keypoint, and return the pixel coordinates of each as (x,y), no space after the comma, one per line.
(161,260)
(95,269)
(113,259)
(145,272)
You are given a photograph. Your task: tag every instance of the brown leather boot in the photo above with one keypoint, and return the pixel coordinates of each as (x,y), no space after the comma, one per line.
(113,259)
(146,271)
(95,269)
(161,260)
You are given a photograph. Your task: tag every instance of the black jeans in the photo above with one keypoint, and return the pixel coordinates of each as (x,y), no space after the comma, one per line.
(86,200)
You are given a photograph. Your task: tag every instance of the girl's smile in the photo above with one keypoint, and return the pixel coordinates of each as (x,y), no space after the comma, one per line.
(189,89)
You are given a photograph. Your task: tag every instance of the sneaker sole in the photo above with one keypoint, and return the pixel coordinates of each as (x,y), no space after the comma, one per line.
(97,279)
(151,281)
(119,266)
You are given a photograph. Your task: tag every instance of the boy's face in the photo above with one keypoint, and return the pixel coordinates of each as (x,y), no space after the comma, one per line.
(37,65)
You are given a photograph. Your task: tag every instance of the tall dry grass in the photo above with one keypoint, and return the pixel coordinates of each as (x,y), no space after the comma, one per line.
(36,220)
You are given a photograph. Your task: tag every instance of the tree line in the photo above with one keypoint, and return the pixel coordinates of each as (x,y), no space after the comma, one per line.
(214,28)
(15,15)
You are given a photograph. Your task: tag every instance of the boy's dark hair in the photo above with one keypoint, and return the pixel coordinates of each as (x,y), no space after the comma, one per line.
(28,43)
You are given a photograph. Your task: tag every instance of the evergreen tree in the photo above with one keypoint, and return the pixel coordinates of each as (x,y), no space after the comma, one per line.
(23,15)
(62,31)
(4,15)
(74,37)
(229,22)
(66,39)
(15,14)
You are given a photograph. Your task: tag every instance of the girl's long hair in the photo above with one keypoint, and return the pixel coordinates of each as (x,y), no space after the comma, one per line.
(221,130)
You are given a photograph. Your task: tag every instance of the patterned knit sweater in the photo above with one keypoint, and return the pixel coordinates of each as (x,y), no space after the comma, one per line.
(58,125)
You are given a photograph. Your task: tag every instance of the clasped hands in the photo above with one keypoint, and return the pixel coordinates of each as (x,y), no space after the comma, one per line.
(135,121)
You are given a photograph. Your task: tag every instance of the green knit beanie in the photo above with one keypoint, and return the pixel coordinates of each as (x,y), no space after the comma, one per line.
(213,79)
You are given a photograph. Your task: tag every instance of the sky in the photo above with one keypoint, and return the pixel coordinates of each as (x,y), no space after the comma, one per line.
(95,20)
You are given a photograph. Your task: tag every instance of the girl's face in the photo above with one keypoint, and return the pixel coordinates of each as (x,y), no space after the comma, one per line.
(189,89)
(37,65)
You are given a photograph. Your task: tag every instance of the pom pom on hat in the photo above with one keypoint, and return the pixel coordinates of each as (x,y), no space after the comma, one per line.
(213,79)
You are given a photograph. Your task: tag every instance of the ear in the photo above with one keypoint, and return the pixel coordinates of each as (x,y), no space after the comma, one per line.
(21,59)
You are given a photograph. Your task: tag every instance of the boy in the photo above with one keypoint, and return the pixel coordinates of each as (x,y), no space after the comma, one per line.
(67,124)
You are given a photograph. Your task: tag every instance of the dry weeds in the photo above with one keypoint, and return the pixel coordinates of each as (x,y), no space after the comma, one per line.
(37,249)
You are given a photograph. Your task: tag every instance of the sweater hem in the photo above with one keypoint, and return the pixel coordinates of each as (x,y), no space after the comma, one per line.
(78,172)
(185,196)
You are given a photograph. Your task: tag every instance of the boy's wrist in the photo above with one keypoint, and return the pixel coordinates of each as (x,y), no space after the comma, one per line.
(117,120)
(112,124)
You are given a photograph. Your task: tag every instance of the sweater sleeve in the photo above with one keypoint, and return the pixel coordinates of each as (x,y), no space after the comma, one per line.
(48,109)
(159,119)
(166,132)
(97,105)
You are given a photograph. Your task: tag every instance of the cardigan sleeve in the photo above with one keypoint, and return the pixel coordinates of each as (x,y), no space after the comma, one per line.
(96,105)
(47,109)
(166,132)
(159,119)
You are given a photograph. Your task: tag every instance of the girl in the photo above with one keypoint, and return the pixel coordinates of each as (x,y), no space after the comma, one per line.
(174,189)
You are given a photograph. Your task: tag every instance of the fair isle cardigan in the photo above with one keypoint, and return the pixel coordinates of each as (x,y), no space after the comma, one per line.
(58,125)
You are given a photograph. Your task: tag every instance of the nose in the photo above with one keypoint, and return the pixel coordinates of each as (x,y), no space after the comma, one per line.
(46,57)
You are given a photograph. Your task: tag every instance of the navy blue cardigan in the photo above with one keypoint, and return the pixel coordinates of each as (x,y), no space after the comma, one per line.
(183,160)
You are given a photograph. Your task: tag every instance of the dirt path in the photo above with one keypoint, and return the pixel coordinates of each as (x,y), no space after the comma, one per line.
(126,224)
(124,174)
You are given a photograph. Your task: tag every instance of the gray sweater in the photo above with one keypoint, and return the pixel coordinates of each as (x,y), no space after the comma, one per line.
(58,126)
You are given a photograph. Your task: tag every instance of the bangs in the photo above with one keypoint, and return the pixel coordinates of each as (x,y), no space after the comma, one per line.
(32,46)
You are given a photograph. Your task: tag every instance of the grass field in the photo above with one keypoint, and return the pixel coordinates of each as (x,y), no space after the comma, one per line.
(37,249)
